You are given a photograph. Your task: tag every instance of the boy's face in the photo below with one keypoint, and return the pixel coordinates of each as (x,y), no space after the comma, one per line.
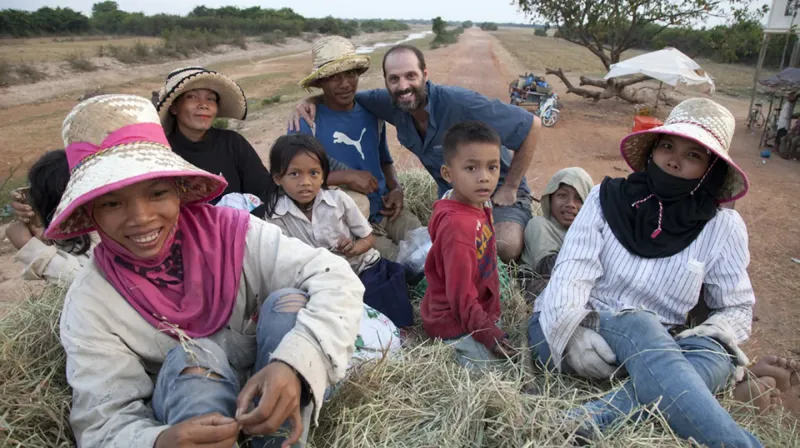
(340,89)
(565,203)
(473,172)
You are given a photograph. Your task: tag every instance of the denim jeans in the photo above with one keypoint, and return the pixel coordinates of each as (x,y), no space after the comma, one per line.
(680,376)
(178,397)
(472,354)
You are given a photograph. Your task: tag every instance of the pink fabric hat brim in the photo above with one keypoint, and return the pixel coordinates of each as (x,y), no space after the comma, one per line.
(118,168)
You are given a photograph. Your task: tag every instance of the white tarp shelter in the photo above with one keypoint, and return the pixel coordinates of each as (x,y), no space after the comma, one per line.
(669,66)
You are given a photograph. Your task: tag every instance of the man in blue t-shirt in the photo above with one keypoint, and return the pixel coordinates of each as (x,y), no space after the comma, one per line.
(423,111)
(355,140)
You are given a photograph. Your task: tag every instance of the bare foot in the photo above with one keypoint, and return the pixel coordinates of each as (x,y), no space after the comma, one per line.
(772,381)
(759,392)
(791,398)
(782,369)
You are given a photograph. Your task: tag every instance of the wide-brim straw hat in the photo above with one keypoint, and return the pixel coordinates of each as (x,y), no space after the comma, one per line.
(332,55)
(703,121)
(113,141)
(232,101)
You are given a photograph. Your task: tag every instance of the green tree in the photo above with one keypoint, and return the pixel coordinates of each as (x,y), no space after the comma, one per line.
(107,17)
(608,28)
(439,27)
(467,24)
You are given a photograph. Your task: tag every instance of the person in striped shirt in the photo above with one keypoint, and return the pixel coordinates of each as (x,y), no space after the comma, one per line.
(632,266)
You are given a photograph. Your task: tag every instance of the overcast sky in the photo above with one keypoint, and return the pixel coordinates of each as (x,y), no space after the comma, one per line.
(451,10)
(475,10)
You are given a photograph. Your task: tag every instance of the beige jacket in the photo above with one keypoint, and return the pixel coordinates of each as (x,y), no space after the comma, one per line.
(114,355)
(48,262)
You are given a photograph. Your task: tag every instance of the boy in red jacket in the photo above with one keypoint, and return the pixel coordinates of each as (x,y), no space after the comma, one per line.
(462,302)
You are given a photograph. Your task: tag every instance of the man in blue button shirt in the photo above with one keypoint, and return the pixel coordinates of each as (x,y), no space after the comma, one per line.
(423,111)
(355,140)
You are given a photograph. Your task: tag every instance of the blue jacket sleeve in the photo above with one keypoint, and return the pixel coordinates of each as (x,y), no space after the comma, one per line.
(513,123)
(378,102)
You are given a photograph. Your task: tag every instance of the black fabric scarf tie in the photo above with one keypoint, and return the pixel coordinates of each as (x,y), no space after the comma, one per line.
(654,214)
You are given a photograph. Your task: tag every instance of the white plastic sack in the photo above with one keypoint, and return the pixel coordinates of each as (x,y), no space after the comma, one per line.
(413,250)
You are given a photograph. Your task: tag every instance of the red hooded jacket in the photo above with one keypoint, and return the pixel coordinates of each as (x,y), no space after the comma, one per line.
(463,295)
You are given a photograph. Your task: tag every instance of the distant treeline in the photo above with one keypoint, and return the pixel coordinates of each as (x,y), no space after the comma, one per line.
(455,24)
(107,18)
(738,43)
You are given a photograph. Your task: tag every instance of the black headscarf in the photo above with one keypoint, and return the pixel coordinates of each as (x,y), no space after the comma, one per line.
(656,215)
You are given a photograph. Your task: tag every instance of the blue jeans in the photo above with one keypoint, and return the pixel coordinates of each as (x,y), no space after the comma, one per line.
(180,396)
(680,376)
(471,354)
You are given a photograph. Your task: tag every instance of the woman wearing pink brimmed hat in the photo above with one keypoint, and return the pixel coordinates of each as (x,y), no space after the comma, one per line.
(183,301)
(633,265)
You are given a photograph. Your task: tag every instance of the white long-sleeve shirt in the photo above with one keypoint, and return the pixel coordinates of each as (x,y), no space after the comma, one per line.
(43,262)
(114,355)
(594,272)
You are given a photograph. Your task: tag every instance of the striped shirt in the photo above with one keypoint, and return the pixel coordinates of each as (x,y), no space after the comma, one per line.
(594,272)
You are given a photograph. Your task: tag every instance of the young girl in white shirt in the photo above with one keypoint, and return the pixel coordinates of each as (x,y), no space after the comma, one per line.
(300,203)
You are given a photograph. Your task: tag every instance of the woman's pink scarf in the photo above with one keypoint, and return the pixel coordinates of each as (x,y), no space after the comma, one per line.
(193,283)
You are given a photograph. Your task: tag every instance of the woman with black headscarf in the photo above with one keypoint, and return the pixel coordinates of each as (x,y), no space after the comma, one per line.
(632,267)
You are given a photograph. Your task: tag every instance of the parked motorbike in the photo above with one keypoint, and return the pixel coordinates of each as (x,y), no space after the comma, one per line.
(547,111)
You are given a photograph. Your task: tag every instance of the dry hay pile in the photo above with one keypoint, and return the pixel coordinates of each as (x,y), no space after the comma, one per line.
(423,400)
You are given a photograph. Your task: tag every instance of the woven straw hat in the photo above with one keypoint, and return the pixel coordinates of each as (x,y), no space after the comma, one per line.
(232,102)
(113,141)
(332,55)
(703,121)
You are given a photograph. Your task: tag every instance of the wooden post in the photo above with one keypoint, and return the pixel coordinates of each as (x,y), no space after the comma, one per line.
(761,55)
(795,54)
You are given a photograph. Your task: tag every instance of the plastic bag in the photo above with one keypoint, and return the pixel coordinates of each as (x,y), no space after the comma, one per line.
(413,250)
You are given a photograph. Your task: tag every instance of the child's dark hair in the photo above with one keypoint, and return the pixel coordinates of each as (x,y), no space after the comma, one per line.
(48,178)
(467,132)
(280,156)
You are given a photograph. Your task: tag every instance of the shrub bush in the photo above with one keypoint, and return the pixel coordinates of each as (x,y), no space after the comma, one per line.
(78,62)
(27,73)
(276,37)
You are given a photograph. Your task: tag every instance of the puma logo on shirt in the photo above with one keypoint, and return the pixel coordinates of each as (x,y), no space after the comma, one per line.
(341,137)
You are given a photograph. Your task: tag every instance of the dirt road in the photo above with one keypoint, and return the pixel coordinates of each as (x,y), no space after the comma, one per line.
(588,135)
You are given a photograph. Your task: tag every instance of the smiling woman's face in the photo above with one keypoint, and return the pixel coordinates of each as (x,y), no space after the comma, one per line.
(139,217)
(196,110)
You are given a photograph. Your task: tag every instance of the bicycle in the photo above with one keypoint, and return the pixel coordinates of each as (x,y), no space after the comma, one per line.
(756,118)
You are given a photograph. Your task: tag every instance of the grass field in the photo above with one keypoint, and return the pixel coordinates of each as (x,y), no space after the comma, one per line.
(422,398)
(732,79)
(42,49)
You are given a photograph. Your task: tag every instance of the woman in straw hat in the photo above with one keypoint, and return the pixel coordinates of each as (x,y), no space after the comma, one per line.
(632,266)
(191,99)
(184,300)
